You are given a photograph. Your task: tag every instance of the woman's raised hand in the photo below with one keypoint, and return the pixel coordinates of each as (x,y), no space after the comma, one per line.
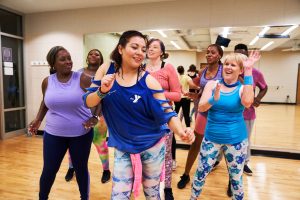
(253,57)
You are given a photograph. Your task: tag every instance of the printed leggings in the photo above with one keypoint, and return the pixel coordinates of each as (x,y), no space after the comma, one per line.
(152,162)
(99,140)
(235,156)
(54,150)
(168,160)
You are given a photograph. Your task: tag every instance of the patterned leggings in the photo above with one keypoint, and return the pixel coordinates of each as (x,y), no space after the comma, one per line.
(99,140)
(168,160)
(152,162)
(235,156)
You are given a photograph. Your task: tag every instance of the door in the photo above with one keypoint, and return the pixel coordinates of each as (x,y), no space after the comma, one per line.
(298,86)
(12,87)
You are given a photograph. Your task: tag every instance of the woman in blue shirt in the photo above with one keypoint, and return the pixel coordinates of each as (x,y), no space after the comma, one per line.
(226,131)
(136,112)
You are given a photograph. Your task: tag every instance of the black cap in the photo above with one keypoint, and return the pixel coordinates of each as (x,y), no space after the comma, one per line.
(221,41)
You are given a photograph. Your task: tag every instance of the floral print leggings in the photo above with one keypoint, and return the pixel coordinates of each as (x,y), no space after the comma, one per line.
(235,155)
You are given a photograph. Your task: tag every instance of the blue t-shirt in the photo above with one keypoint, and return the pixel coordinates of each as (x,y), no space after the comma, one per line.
(136,121)
(225,121)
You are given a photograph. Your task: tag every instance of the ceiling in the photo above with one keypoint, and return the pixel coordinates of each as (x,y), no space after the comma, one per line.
(199,38)
(194,39)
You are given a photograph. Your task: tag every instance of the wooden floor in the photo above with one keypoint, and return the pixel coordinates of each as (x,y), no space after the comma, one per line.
(21,164)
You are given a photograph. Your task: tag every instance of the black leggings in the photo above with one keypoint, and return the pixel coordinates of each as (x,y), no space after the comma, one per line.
(54,150)
(185,103)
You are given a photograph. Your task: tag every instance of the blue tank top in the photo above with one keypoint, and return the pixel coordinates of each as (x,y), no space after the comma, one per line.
(135,119)
(66,111)
(225,121)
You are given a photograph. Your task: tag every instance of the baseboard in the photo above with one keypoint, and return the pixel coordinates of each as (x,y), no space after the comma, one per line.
(278,103)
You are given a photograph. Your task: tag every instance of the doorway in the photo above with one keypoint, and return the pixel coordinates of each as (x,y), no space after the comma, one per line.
(298,86)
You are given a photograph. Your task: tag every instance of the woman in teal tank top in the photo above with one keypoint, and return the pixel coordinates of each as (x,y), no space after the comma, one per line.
(225,131)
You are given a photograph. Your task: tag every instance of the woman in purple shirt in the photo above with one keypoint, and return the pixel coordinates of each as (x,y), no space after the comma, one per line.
(68,122)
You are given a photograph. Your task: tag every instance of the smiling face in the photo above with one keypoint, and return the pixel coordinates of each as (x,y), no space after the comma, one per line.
(63,63)
(154,50)
(94,58)
(134,52)
(212,55)
(233,67)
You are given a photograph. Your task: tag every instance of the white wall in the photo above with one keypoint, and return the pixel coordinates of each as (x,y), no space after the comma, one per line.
(67,28)
(280,70)
(184,58)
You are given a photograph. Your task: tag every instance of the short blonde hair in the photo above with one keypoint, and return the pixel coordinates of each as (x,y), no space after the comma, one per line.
(237,57)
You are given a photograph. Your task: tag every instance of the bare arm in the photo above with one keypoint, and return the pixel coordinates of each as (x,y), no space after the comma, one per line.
(248,93)
(35,124)
(204,105)
(174,123)
(260,95)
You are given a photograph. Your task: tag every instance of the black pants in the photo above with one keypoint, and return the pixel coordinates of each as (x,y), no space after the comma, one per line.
(54,150)
(185,103)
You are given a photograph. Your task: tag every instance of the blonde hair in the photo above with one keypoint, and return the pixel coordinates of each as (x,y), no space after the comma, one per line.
(237,57)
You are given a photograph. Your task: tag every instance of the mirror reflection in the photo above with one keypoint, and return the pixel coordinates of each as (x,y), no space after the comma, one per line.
(277,117)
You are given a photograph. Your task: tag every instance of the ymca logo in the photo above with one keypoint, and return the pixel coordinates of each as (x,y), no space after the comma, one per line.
(136,98)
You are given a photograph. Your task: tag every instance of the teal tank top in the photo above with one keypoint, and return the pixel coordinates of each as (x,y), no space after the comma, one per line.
(225,121)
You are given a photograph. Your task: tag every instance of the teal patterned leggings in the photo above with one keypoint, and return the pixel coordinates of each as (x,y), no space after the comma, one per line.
(235,156)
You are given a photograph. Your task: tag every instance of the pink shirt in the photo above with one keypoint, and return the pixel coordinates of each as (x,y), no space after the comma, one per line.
(258,81)
(169,81)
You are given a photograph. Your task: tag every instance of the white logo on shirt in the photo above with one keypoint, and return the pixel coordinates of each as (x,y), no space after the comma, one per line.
(136,98)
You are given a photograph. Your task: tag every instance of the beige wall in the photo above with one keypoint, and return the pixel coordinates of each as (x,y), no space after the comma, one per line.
(67,28)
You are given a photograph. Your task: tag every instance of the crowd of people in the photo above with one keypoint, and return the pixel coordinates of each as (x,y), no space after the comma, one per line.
(136,98)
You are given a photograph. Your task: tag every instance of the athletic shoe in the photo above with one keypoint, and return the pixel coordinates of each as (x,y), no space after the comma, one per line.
(215,165)
(229,192)
(168,194)
(247,170)
(69,174)
(174,165)
(184,179)
(105,176)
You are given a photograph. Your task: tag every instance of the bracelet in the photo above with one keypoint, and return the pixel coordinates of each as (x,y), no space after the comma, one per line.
(248,80)
(100,94)
(212,101)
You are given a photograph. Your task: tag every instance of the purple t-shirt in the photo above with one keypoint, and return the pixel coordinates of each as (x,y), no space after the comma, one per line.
(66,110)
(258,81)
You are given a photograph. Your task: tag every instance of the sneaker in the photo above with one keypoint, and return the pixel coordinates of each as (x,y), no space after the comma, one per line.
(184,179)
(174,165)
(215,165)
(69,174)
(168,194)
(105,176)
(247,170)
(229,192)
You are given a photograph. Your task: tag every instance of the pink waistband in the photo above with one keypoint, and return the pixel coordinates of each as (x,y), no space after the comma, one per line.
(137,171)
